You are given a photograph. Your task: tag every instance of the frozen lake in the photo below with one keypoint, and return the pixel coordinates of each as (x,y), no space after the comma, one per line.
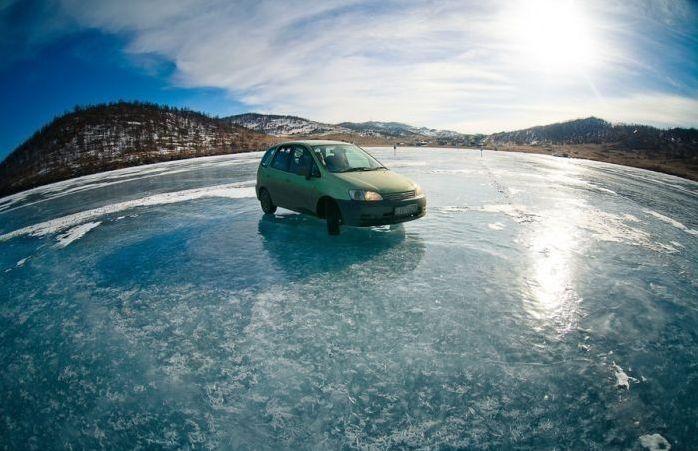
(541,302)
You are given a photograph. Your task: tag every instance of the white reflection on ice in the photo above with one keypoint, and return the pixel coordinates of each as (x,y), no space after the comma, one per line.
(551,296)
(551,279)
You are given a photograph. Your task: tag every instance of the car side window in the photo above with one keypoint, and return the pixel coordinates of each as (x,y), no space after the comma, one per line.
(281,159)
(300,160)
(268,155)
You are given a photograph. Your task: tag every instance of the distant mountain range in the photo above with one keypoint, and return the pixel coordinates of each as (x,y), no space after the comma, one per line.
(276,125)
(115,135)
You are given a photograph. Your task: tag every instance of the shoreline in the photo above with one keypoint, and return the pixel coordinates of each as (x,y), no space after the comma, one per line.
(592,152)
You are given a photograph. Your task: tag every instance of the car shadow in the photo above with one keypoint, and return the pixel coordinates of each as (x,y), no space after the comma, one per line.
(300,246)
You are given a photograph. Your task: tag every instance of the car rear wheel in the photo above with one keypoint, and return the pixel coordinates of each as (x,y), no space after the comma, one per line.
(265,200)
(333,217)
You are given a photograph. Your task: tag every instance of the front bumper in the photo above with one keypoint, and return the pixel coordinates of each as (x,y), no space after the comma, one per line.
(363,214)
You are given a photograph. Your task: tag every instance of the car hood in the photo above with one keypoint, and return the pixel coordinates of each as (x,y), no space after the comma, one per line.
(380,181)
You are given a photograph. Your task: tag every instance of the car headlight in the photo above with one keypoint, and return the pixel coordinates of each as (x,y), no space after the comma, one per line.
(359,194)
(418,191)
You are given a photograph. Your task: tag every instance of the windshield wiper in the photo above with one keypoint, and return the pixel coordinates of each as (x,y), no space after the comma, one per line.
(356,169)
(363,168)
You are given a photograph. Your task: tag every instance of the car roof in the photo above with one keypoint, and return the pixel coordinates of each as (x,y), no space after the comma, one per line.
(313,142)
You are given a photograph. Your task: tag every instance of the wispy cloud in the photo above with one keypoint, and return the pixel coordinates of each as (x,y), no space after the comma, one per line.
(475,66)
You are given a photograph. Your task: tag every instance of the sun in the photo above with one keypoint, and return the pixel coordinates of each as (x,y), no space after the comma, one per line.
(554,35)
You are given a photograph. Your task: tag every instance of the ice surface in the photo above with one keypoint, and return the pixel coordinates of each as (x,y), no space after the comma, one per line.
(506,318)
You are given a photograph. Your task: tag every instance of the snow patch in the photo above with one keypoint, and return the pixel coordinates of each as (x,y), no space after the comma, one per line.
(519,213)
(672,221)
(609,227)
(75,233)
(231,191)
(453,171)
(406,164)
(665,247)
(601,189)
(622,379)
(654,442)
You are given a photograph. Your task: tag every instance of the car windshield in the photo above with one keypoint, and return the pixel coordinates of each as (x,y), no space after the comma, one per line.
(346,158)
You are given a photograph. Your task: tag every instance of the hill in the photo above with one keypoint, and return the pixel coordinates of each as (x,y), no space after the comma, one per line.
(675,142)
(116,135)
(276,125)
(673,151)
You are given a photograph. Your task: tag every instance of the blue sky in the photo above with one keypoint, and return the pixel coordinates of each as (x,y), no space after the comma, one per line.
(464,65)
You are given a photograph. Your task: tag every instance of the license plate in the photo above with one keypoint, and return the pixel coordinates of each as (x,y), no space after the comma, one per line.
(406,210)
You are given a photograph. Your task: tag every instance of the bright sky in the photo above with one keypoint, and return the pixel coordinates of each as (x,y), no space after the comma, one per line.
(470,66)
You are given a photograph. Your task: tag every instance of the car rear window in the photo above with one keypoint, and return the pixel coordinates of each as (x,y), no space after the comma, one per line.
(266,159)
(281,159)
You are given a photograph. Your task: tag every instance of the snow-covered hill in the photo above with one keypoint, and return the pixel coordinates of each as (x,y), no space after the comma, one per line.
(398,129)
(277,125)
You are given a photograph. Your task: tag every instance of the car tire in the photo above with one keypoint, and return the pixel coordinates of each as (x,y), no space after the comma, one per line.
(334,218)
(265,201)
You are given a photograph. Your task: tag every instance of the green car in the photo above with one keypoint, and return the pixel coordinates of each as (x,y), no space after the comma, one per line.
(337,181)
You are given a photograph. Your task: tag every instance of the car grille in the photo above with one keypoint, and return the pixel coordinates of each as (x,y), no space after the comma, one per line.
(399,196)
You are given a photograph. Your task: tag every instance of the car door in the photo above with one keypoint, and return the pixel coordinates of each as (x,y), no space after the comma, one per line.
(277,180)
(302,191)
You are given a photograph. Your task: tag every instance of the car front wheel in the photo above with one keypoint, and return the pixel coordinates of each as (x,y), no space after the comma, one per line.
(265,200)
